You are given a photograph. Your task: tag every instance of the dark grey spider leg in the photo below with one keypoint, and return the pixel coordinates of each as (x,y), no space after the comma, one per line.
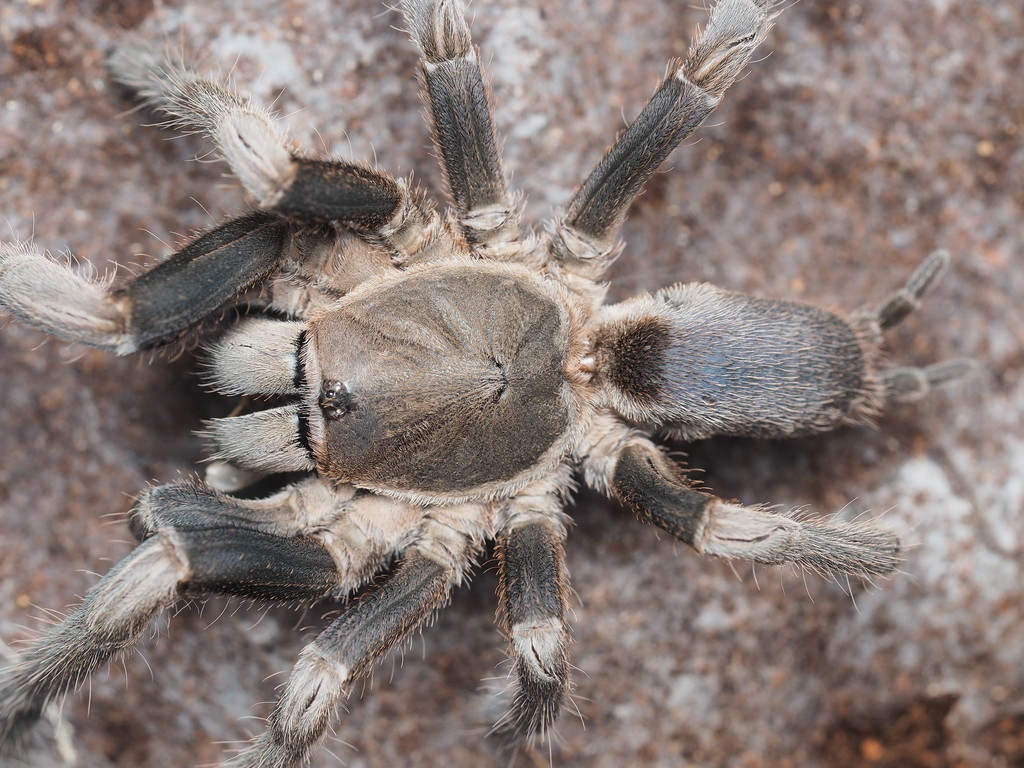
(362,531)
(907,384)
(462,125)
(655,489)
(336,191)
(203,277)
(586,238)
(189,506)
(153,308)
(122,604)
(532,593)
(908,298)
(280,180)
(345,650)
(300,507)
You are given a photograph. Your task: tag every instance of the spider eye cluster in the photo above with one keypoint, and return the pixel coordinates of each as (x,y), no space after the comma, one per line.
(335,399)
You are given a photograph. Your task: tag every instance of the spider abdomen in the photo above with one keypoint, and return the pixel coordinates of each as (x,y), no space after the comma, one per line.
(696,361)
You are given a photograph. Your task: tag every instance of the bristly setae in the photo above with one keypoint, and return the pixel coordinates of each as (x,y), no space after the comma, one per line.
(439,380)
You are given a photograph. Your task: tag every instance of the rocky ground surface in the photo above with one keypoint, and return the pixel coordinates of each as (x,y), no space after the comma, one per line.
(872,134)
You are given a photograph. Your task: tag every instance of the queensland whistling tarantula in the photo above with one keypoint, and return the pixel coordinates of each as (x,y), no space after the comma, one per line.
(441,380)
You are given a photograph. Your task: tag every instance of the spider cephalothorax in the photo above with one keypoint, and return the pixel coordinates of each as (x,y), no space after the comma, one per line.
(481,390)
(438,382)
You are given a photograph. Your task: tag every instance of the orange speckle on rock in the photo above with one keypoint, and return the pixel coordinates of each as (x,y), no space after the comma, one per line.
(872,750)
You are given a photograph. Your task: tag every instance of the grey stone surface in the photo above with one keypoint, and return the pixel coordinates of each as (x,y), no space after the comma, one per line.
(873,133)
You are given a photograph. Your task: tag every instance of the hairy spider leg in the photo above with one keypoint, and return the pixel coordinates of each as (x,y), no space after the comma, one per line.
(629,467)
(152,309)
(462,127)
(303,544)
(913,383)
(248,138)
(364,632)
(585,239)
(533,591)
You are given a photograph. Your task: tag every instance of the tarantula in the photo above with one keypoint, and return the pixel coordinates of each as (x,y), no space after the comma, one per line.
(440,380)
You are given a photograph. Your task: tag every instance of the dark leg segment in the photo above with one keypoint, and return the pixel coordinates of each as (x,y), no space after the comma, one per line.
(192,507)
(675,111)
(360,531)
(256,565)
(123,603)
(532,593)
(339,192)
(260,157)
(469,152)
(202,277)
(154,308)
(462,124)
(342,652)
(585,240)
(655,490)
